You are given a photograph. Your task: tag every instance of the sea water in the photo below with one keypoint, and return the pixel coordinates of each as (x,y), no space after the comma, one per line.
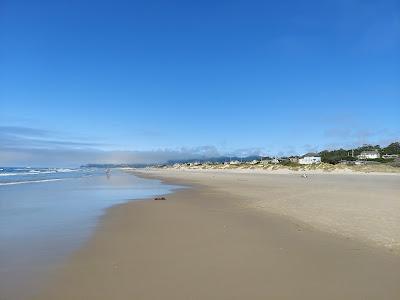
(47,213)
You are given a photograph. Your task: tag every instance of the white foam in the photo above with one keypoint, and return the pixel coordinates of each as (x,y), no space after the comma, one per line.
(31,181)
(36,172)
(66,170)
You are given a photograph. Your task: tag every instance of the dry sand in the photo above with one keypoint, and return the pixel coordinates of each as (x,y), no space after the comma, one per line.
(213,242)
(363,206)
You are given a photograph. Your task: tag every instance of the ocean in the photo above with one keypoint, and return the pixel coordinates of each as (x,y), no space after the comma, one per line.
(11,176)
(47,213)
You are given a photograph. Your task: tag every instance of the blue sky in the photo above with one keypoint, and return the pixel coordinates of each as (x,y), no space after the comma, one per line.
(142,81)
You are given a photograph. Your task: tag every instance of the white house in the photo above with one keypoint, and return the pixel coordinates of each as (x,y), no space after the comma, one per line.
(274,161)
(309,159)
(373,154)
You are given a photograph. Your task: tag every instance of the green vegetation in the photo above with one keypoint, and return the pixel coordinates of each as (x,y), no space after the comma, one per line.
(288,163)
(335,156)
(393,148)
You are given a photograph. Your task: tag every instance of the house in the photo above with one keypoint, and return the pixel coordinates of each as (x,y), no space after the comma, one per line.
(389,156)
(284,159)
(294,159)
(274,161)
(373,154)
(309,159)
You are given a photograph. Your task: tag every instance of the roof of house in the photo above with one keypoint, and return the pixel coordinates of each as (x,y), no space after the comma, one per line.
(370,152)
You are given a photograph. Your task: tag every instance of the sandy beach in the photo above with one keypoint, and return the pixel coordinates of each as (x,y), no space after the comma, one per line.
(356,205)
(212,241)
(207,150)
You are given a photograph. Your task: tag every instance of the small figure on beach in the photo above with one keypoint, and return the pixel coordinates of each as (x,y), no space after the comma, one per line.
(304,175)
(108,173)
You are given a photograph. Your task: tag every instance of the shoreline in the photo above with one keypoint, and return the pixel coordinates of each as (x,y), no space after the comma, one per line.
(202,243)
(43,224)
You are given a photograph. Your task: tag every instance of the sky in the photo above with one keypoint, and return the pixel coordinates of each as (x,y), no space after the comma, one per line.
(147,81)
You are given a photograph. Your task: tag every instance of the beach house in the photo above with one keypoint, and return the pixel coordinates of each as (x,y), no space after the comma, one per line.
(309,159)
(372,154)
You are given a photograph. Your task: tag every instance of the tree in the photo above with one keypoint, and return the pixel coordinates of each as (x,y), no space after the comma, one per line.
(335,156)
(366,147)
(393,148)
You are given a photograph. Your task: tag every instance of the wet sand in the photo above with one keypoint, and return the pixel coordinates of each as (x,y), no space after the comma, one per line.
(214,242)
(42,223)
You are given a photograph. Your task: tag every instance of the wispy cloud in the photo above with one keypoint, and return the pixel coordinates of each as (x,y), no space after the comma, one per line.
(17,137)
(70,157)
(33,146)
(37,147)
(243,152)
(23,131)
